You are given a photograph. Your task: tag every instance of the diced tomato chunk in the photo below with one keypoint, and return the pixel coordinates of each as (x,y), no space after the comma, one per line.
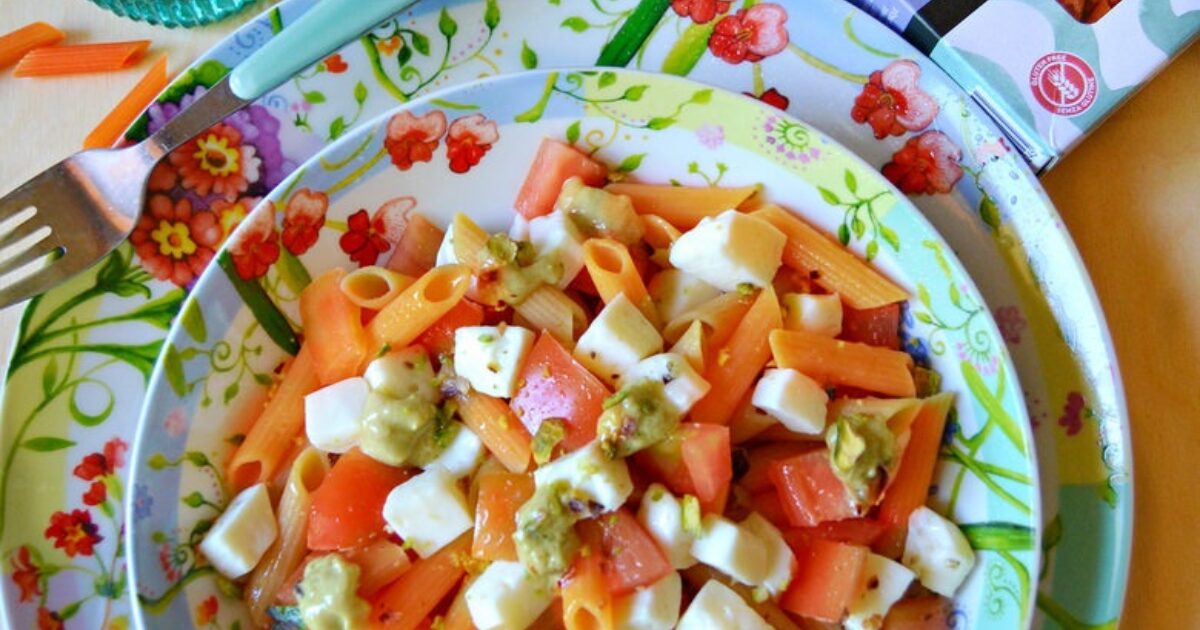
(854,531)
(631,557)
(554,385)
(828,581)
(875,326)
(554,164)
(762,459)
(708,459)
(439,337)
(810,491)
(347,508)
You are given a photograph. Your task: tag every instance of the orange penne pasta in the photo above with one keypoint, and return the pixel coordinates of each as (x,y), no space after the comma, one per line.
(468,241)
(612,271)
(909,488)
(408,601)
(587,602)
(333,329)
(737,362)
(830,265)
(682,207)
(381,562)
(458,616)
(719,316)
(417,250)
(553,311)
(16,44)
(660,234)
(80,59)
(498,428)
(418,307)
(500,494)
(272,436)
(374,287)
(837,362)
(108,132)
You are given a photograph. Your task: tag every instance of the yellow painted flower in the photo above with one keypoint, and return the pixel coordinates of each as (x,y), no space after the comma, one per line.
(173,240)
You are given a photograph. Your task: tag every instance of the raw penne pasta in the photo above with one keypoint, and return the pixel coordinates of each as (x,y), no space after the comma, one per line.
(374,287)
(16,44)
(499,429)
(553,311)
(333,328)
(845,363)
(80,58)
(417,250)
(738,361)
(683,207)
(830,265)
(719,316)
(417,307)
(613,272)
(409,600)
(108,131)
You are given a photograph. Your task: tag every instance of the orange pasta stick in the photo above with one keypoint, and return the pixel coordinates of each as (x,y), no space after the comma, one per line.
(829,264)
(498,428)
(458,616)
(587,602)
(16,44)
(659,232)
(381,562)
(408,601)
(416,252)
(418,307)
(836,362)
(682,207)
(738,362)
(273,434)
(613,272)
(501,494)
(909,488)
(333,329)
(108,132)
(80,59)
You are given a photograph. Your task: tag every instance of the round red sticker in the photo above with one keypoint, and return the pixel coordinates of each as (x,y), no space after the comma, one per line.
(1063,83)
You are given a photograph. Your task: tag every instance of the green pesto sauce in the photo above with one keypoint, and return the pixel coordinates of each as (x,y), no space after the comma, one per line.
(550,432)
(861,448)
(545,538)
(636,417)
(597,212)
(517,270)
(327,596)
(394,429)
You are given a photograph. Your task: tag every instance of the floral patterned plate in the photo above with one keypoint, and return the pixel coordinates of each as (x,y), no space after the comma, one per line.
(361,189)
(85,351)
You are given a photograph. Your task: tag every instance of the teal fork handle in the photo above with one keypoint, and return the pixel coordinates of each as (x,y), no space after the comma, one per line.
(317,34)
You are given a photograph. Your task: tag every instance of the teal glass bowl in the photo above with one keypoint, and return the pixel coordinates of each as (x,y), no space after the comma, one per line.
(172,13)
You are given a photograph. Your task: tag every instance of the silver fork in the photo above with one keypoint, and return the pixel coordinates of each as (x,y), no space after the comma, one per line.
(71,215)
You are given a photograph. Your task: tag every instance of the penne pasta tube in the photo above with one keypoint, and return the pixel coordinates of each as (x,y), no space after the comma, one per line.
(374,287)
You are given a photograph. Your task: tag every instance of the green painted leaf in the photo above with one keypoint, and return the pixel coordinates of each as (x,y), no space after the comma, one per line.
(660,122)
(316,97)
(701,97)
(158,461)
(189,353)
(263,379)
(829,196)
(923,317)
(158,537)
(446,24)
(276,21)
(529,58)
(70,610)
(404,55)
(993,406)
(923,295)
(872,250)
(1053,533)
(173,370)
(420,42)
(206,74)
(230,393)
(573,132)
(857,226)
(113,270)
(632,35)
(292,271)
(851,181)
(46,444)
(635,93)
(989,211)
(955,295)
(889,235)
(607,78)
(337,128)
(50,377)
(631,163)
(273,321)
(575,23)
(688,50)
(88,419)
(160,312)
(360,93)
(196,458)
(193,500)
(844,234)
(192,320)
(491,15)
(999,536)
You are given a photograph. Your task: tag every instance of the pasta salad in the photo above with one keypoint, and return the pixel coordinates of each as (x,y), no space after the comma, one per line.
(644,406)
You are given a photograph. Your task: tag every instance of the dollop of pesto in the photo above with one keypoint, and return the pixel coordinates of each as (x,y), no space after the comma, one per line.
(546,540)
(861,448)
(550,432)
(597,212)
(327,597)
(394,428)
(515,270)
(636,417)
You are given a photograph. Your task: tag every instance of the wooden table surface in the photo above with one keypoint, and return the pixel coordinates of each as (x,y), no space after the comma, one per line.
(1129,195)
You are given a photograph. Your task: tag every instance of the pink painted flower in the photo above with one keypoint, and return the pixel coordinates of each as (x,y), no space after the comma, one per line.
(468,140)
(176,422)
(750,34)
(114,452)
(926,164)
(257,245)
(1011,323)
(701,11)
(1072,416)
(411,139)
(303,219)
(710,136)
(174,242)
(171,561)
(391,219)
(217,161)
(892,102)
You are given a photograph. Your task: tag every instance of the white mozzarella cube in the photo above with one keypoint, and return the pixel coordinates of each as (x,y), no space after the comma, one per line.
(557,235)
(718,607)
(781,562)
(683,386)
(793,399)
(884,583)
(508,596)
(428,511)
(242,534)
(403,373)
(675,292)
(490,357)
(937,551)
(817,314)
(602,480)
(730,249)
(655,607)
(333,414)
(462,455)
(661,513)
(519,230)
(445,252)
(618,338)
(733,550)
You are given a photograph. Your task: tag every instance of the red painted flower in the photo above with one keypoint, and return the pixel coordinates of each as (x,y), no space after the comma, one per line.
(74,533)
(49,620)
(206,611)
(361,241)
(893,102)
(217,162)
(303,219)
(163,178)
(701,11)
(93,465)
(174,242)
(171,562)
(257,245)
(25,574)
(926,164)
(411,139)
(96,494)
(469,139)
(772,97)
(750,34)
(391,45)
(336,65)
(114,453)
(1072,416)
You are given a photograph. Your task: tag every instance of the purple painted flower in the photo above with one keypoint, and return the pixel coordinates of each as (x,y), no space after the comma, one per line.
(1011,323)
(711,136)
(143,503)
